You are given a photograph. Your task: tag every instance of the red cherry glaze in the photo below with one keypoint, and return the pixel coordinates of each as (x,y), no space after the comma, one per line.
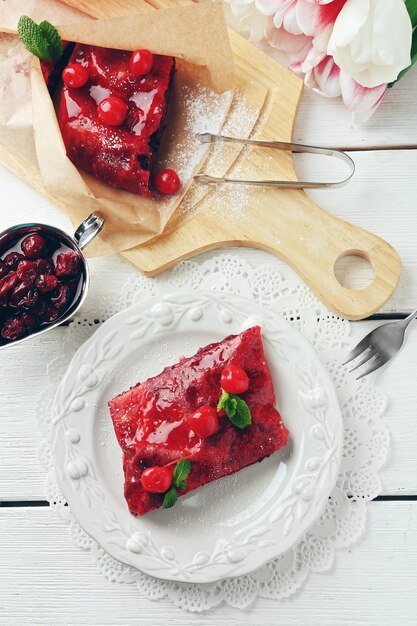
(46,283)
(141,62)
(234,379)
(204,421)
(167,182)
(67,265)
(34,246)
(157,479)
(27,270)
(112,111)
(75,75)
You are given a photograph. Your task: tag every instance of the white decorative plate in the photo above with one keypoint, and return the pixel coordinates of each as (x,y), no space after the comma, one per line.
(236,524)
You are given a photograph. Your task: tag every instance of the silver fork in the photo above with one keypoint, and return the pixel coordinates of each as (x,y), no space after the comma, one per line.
(380,345)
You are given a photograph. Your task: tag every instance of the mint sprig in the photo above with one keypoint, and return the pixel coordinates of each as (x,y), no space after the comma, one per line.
(236,409)
(180,473)
(42,40)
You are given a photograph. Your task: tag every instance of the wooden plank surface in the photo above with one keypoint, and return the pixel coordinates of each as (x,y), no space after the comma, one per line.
(47,580)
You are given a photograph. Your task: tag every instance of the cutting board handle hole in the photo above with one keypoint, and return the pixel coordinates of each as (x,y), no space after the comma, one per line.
(354,270)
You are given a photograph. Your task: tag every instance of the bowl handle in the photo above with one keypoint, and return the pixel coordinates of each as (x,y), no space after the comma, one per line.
(88,230)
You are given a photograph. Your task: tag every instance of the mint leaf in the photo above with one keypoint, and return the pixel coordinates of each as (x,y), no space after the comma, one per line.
(170,498)
(228,403)
(53,38)
(182,485)
(243,415)
(230,406)
(181,471)
(223,399)
(236,409)
(43,41)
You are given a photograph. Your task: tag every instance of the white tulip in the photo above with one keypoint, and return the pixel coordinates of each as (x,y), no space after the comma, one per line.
(371,40)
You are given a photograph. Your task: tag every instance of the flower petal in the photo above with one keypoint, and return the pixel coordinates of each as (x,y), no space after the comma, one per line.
(362,101)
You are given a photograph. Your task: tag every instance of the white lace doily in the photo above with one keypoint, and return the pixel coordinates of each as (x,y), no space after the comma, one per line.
(366,438)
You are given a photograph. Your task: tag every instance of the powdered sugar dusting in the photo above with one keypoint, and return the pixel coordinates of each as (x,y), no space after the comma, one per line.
(203,109)
(230,201)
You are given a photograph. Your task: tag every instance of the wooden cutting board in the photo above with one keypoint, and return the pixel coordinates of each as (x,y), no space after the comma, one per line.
(284,222)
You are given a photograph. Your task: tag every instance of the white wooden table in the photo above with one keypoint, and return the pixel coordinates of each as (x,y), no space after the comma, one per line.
(44,579)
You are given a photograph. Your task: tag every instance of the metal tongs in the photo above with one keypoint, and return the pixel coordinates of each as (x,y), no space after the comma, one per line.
(280,145)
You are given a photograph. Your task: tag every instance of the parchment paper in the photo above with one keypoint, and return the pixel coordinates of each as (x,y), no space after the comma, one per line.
(195,34)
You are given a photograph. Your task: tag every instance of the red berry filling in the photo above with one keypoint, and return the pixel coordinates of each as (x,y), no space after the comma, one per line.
(153,420)
(27,270)
(24,296)
(31,289)
(12,260)
(112,125)
(46,283)
(67,265)
(34,246)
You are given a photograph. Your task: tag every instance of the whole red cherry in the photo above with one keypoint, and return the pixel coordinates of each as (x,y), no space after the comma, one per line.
(157,479)
(4,269)
(141,62)
(34,246)
(67,264)
(13,328)
(27,270)
(234,379)
(112,111)
(50,314)
(7,284)
(12,260)
(167,182)
(204,421)
(46,283)
(60,297)
(75,75)
(45,266)
(29,320)
(24,296)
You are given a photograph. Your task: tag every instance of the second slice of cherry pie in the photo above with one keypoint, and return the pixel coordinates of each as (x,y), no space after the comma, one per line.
(120,155)
(154,426)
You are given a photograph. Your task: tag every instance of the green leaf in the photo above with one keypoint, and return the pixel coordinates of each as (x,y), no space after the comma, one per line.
(182,485)
(412,10)
(181,471)
(170,498)
(242,417)
(43,41)
(53,38)
(223,399)
(230,406)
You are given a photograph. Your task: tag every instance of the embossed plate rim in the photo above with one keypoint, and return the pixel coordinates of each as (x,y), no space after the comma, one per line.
(291,513)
